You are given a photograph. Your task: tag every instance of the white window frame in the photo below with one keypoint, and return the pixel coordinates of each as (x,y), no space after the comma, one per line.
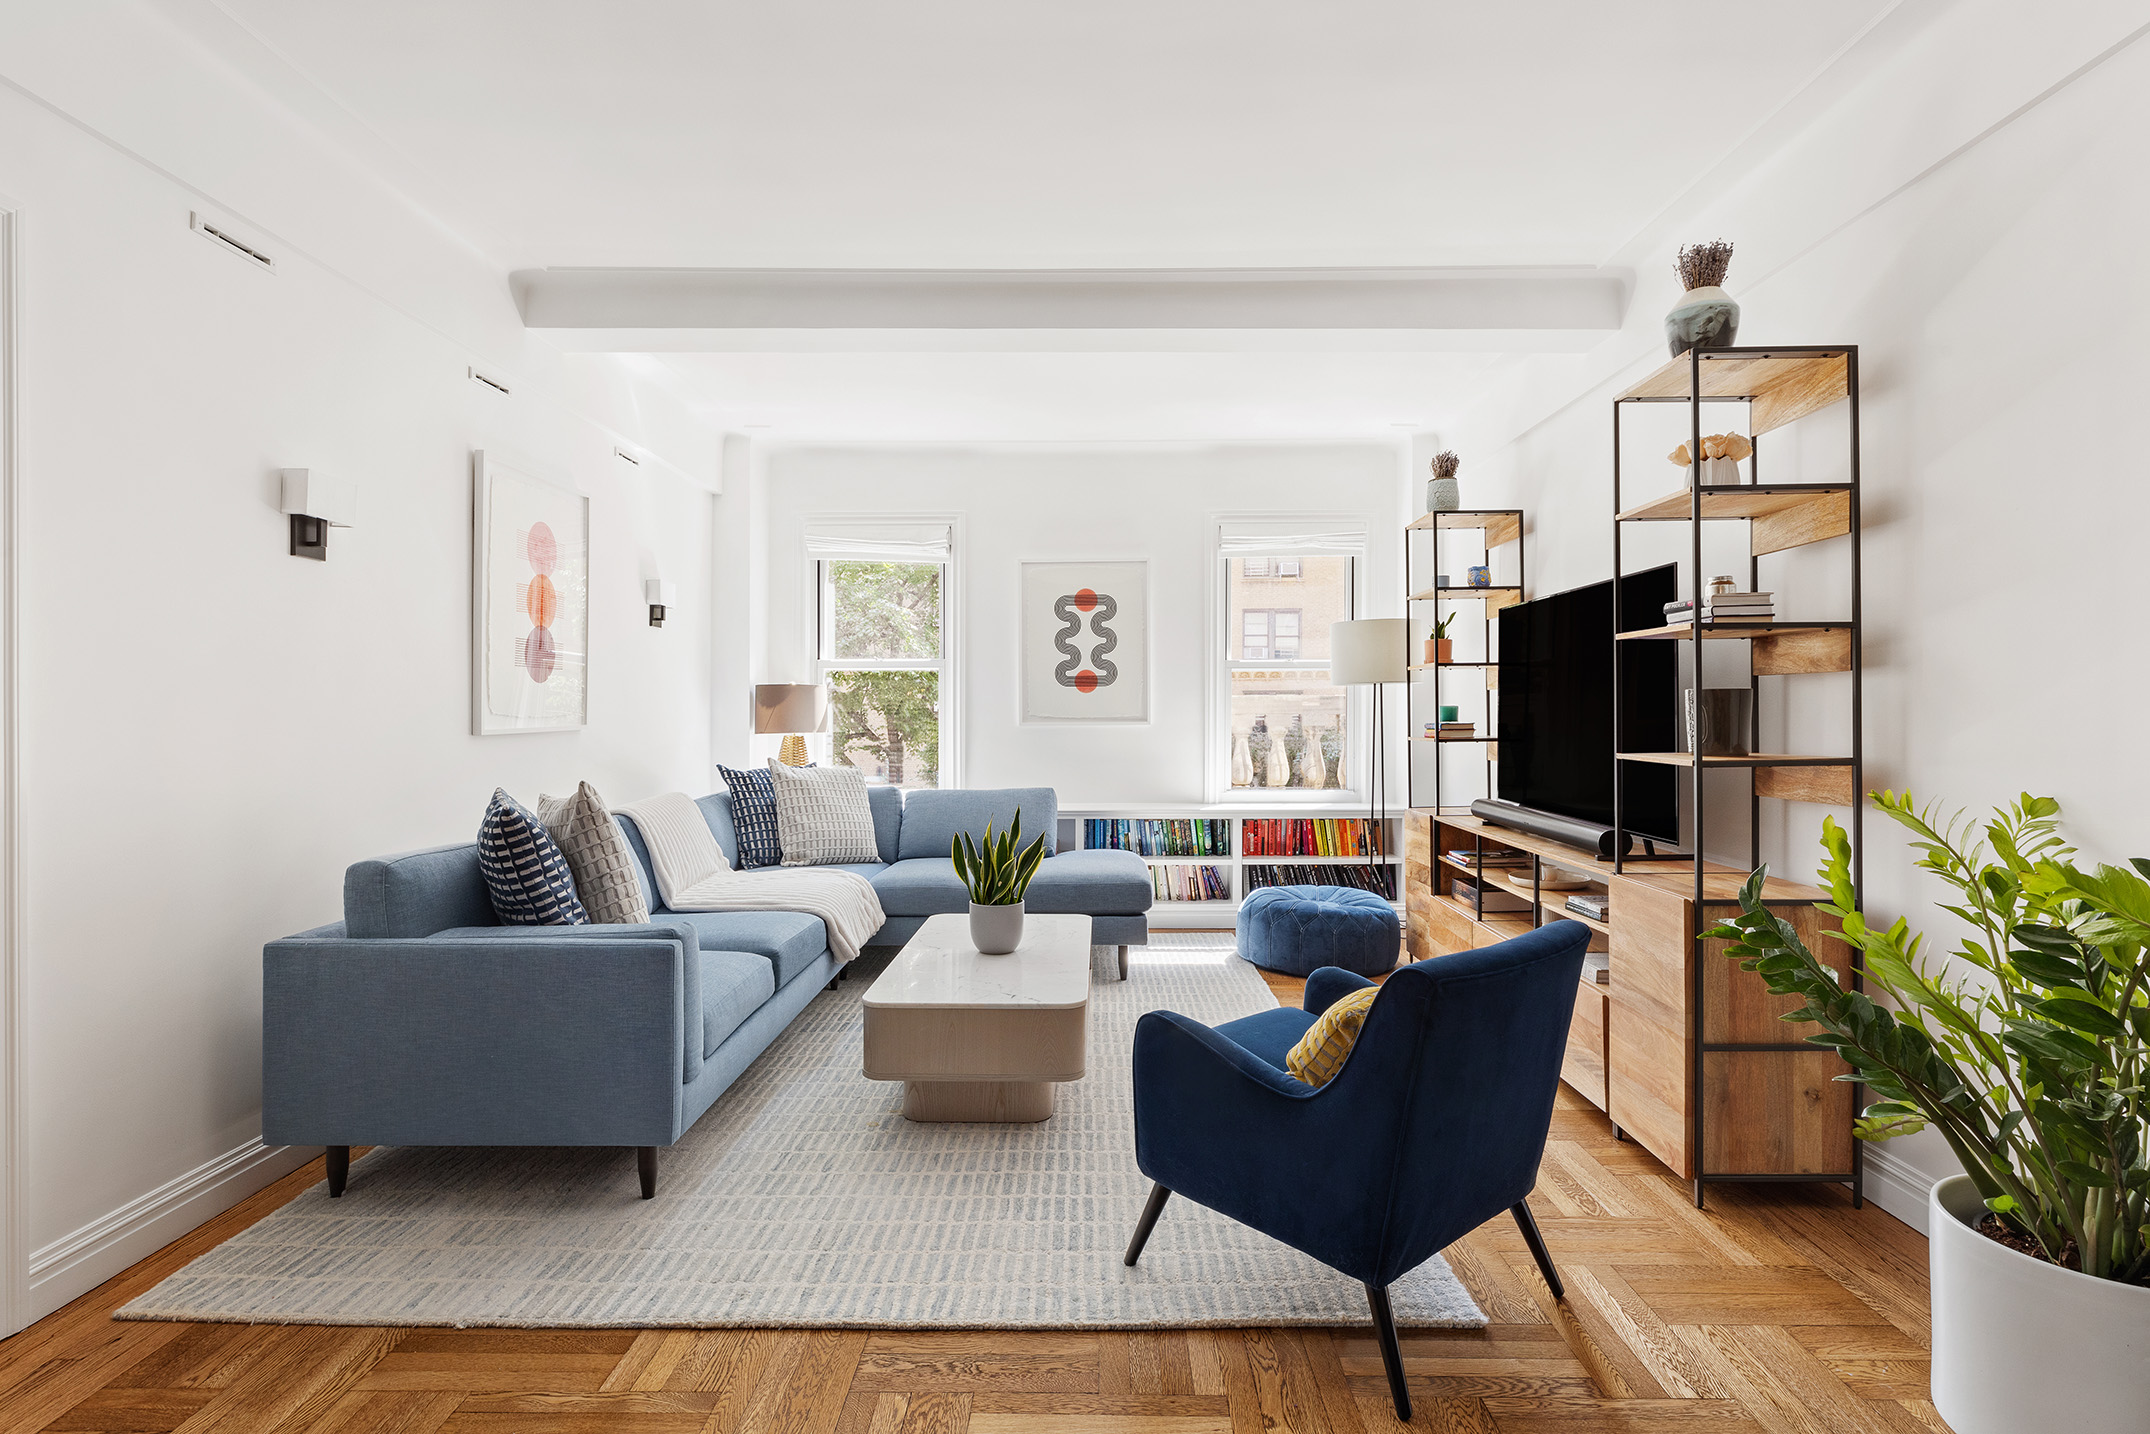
(1358,731)
(819,639)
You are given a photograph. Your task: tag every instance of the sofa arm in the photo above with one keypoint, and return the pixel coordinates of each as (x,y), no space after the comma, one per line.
(561,1039)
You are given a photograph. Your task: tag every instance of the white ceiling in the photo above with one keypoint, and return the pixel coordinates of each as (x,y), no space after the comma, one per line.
(1014,134)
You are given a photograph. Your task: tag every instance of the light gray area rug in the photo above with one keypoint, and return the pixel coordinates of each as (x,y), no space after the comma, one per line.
(804,1198)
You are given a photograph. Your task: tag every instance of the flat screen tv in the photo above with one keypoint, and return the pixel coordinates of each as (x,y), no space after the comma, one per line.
(1556,704)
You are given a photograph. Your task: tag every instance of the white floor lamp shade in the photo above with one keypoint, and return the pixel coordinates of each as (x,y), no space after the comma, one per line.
(1369,649)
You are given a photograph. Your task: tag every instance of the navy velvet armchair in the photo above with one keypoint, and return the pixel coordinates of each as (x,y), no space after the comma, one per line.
(1435,1124)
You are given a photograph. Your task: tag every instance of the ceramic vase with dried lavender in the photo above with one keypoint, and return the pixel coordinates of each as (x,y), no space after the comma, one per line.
(1441,493)
(1706,317)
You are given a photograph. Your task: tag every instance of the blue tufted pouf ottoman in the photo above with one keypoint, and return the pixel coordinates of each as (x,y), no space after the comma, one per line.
(1298,929)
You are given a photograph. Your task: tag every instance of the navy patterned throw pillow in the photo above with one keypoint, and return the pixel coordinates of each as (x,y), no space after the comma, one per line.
(525,871)
(754,817)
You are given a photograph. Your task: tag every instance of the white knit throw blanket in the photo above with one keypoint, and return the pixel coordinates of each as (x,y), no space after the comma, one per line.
(693,875)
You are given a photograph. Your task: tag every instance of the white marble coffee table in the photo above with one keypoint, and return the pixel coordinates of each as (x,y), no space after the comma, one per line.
(977,1037)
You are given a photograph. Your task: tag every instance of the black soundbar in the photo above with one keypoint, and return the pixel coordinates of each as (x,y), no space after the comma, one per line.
(1588,835)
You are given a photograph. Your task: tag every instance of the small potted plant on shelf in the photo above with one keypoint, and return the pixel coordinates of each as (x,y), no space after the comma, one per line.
(2035,1071)
(1441,647)
(1706,317)
(996,874)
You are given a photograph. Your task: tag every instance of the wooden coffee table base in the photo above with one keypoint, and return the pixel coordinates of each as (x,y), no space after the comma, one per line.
(1009,1101)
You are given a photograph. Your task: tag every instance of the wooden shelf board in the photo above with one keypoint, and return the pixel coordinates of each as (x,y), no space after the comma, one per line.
(1500,525)
(1783,384)
(1512,923)
(1501,595)
(1753,759)
(1550,902)
(1455,739)
(1738,631)
(1783,517)
(1678,877)
(1430,666)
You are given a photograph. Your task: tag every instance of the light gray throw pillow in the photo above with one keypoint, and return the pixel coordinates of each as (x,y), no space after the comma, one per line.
(822,816)
(598,855)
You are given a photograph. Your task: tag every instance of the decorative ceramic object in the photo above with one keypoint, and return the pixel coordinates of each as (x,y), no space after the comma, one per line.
(1706,317)
(2020,1344)
(1480,577)
(1242,761)
(996,930)
(1717,472)
(1721,453)
(1440,649)
(1441,493)
(1451,714)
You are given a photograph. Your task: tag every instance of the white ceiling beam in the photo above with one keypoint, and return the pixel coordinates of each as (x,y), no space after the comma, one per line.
(1475,302)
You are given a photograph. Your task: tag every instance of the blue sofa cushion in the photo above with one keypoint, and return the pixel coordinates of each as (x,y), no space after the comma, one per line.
(920,886)
(1270,1034)
(886,803)
(734,985)
(525,871)
(932,818)
(1296,930)
(415,893)
(790,941)
(753,813)
(1092,883)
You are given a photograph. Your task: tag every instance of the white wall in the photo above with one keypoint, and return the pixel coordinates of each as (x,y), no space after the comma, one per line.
(212,729)
(1972,219)
(1024,503)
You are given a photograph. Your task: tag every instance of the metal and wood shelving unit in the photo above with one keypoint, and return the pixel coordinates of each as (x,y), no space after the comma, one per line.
(1496,527)
(1732,1043)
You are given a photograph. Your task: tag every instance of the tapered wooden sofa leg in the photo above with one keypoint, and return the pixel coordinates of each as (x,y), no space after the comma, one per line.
(646,1167)
(1377,1299)
(1148,1222)
(1538,1252)
(1123,963)
(339,1170)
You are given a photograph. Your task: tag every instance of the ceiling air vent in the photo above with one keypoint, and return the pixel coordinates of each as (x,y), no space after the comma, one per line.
(218,236)
(497,385)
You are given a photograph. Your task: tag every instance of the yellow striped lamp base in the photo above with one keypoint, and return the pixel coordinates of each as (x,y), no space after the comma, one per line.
(794,751)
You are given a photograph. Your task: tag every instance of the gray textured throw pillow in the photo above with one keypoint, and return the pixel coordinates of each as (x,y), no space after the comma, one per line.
(597,853)
(822,816)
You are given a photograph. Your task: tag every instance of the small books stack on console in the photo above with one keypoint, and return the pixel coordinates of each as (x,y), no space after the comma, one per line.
(1597,966)
(1469,857)
(1593,904)
(1725,607)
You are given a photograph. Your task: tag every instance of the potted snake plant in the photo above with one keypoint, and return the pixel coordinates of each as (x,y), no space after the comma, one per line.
(996,872)
(2035,1067)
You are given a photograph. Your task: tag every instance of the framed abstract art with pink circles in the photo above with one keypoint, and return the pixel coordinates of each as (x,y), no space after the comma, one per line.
(530,601)
(1086,642)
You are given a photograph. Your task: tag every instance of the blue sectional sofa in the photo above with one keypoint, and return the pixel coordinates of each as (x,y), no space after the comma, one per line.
(420,1020)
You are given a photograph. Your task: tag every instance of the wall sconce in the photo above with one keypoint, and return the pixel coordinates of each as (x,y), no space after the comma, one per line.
(660,595)
(316,503)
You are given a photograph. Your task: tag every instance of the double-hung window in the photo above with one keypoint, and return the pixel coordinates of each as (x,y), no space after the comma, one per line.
(1283,730)
(882,645)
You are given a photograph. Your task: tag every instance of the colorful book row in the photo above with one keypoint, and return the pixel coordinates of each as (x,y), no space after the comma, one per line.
(1377,879)
(1308,836)
(1191,883)
(1155,836)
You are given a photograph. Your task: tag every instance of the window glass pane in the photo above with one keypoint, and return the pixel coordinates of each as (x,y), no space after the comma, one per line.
(1317,593)
(1286,731)
(888,725)
(882,609)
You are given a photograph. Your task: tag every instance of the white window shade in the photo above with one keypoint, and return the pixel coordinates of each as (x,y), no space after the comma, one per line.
(1236,536)
(880,542)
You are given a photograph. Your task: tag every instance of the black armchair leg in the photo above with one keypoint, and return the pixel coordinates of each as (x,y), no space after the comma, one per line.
(1538,1252)
(646,1167)
(1148,1222)
(339,1170)
(1377,1299)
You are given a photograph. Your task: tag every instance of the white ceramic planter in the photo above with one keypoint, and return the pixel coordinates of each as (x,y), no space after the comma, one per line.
(996,930)
(2021,1345)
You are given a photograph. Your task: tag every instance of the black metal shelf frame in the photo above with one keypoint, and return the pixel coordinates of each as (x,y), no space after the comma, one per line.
(1440,595)
(1694,399)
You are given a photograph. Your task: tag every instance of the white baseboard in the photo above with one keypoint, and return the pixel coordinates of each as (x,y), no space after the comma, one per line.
(1898,1186)
(89,1256)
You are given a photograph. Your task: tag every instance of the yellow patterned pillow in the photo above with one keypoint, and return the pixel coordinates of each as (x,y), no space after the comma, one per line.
(1321,1051)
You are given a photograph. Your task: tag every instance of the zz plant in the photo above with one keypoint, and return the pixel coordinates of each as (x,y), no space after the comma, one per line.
(994,871)
(2032,1065)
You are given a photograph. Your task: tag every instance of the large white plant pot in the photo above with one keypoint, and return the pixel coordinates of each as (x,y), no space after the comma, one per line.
(2021,1345)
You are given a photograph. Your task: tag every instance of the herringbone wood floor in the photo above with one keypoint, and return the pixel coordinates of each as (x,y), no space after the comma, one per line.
(1778,1309)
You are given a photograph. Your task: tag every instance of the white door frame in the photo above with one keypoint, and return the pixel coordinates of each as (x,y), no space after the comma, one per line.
(14,1252)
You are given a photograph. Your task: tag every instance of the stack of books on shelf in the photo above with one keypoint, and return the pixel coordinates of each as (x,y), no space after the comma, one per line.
(1725,607)
(1451,731)
(1304,836)
(1190,883)
(1465,856)
(1593,904)
(1174,836)
(1363,878)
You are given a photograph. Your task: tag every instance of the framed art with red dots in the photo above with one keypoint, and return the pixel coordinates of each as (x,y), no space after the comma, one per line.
(1086,642)
(530,601)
